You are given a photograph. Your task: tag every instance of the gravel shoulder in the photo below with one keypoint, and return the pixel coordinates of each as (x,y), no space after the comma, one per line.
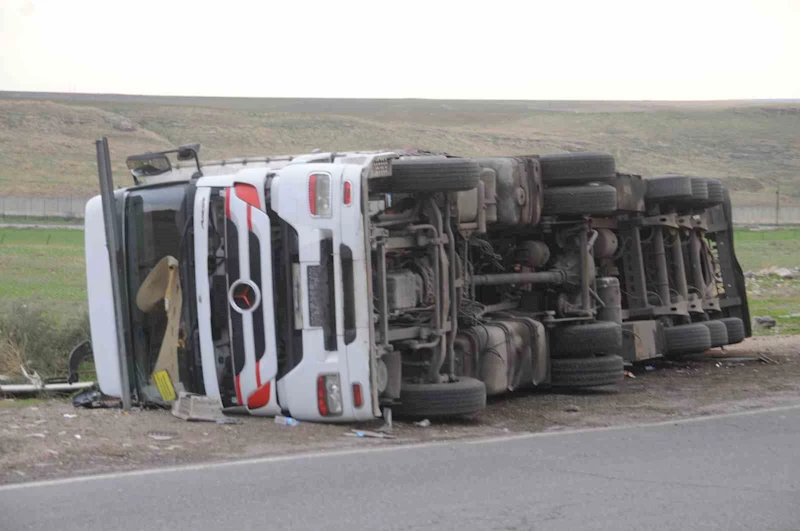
(52,439)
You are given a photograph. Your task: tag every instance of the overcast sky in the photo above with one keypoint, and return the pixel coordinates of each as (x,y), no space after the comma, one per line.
(496,49)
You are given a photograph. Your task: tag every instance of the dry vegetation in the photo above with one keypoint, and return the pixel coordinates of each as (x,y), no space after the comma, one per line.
(46,141)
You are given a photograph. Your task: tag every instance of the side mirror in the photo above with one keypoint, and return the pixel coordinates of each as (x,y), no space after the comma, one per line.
(148,164)
(188,152)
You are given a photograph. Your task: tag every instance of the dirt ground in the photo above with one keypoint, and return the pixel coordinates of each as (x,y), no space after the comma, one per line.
(51,439)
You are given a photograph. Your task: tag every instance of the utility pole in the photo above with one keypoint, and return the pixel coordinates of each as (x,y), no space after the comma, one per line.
(778,205)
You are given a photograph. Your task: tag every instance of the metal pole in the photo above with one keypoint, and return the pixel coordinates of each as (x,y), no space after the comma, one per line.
(113,238)
(778,205)
(496,279)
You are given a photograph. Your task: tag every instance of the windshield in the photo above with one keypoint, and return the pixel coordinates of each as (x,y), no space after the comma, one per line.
(153,224)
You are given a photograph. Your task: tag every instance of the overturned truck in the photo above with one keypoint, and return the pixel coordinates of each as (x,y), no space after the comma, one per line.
(328,286)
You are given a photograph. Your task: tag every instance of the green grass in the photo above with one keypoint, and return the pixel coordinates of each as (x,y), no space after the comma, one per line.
(43,268)
(39,220)
(757,250)
(777,298)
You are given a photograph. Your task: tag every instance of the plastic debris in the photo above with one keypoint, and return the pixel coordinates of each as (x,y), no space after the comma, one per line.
(37,435)
(367,434)
(77,436)
(424,423)
(68,416)
(629,374)
(286,421)
(227,420)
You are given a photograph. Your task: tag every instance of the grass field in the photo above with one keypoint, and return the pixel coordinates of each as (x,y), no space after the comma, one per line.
(43,287)
(47,140)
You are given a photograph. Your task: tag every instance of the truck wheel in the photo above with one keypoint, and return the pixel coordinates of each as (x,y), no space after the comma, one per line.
(669,188)
(716,192)
(718,331)
(687,339)
(602,337)
(735,329)
(587,200)
(586,372)
(699,190)
(429,174)
(464,397)
(577,168)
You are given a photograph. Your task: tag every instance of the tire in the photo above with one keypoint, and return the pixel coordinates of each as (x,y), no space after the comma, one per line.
(669,188)
(584,200)
(430,174)
(735,329)
(718,331)
(716,192)
(600,338)
(464,397)
(699,190)
(577,168)
(587,372)
(687,339)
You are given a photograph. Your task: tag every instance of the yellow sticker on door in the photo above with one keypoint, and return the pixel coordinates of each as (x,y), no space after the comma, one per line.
(164,384)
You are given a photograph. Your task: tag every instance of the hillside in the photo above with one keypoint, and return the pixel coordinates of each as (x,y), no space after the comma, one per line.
(47,140)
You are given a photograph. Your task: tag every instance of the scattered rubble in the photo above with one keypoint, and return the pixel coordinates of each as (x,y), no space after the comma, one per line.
(780,272)
(765,321)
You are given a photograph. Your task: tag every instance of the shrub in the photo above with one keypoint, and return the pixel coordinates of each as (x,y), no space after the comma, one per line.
(41,340)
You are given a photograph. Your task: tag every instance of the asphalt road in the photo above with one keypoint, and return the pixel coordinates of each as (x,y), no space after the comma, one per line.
(729,472)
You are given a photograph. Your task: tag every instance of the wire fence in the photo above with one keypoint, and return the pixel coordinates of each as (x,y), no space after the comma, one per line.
(42,207)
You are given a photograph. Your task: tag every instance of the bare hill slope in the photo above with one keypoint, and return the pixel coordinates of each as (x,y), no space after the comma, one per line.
(46,140)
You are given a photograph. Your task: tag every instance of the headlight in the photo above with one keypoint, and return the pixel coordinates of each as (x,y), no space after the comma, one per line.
(329,395)
(319,194)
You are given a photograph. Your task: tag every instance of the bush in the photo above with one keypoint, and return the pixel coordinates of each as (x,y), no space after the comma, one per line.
(41,340)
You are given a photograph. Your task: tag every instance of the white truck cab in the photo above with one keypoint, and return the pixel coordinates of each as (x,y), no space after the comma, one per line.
(282,299)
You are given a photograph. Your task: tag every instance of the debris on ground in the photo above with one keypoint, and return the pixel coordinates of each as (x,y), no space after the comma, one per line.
(286,421)
(629,374)
(763,358)
(191,406)
(649,368)
(69,416)
(94,399)
(369,434)
(765,321)
(37,435)
(161,435)
(572,408)
(423,423)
